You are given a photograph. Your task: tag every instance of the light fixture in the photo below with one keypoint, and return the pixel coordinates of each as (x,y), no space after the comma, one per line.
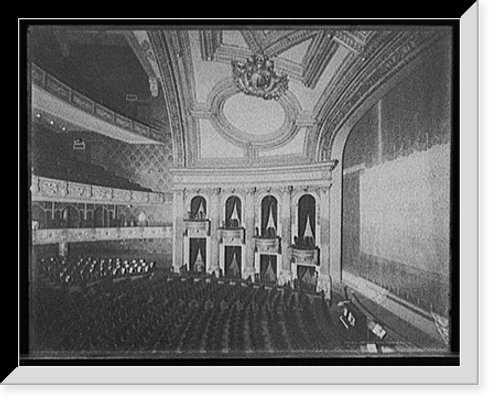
(51,122)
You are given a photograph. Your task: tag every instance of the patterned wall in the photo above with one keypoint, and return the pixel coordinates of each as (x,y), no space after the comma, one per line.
(147,165)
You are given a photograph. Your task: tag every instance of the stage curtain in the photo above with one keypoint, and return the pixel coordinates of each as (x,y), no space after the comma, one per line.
(405,210)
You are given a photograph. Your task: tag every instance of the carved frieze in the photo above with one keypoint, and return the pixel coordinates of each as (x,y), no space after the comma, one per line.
(79,190)
(122,195)
(44,236)
(154,197)
(53,187)
(139,197)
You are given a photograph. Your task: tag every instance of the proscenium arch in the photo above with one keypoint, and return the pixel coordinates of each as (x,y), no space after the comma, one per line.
(341,135)
(340,138)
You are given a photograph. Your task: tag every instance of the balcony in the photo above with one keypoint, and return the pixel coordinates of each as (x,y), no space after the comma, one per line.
(67,191)
(53,97)
(196,228)
(302,255)
(71,235)
(232,236)
(268,245)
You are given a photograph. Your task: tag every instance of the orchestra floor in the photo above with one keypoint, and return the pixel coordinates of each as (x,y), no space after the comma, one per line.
(167,315)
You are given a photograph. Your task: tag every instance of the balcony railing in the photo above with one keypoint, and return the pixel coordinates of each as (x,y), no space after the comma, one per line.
(270,245)
(197,227)
(230,236)
(62,190)
(55,236)
(305,255)
(62,91)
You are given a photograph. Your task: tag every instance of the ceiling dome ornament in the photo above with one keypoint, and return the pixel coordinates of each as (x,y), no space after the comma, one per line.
(256,77)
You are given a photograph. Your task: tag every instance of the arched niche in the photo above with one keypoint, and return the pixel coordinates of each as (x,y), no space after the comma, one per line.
(306,221)
(269,216)
(198,208)
(233,212)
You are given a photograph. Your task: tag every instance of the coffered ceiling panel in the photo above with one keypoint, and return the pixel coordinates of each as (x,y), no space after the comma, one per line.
(296,53)
(234,38)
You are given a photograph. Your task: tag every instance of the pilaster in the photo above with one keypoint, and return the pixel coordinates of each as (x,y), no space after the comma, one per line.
(214,213)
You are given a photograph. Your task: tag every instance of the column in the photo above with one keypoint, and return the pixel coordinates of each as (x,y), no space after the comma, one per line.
(324,270)
(249,267)
(286,228)
(336,226)
(178,230)
(214,230)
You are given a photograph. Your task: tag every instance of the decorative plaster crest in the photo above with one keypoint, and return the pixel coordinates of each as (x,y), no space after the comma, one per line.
(256,77)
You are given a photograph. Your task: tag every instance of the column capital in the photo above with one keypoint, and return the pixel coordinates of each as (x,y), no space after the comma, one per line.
(250,191)
(286,189)
(325,189)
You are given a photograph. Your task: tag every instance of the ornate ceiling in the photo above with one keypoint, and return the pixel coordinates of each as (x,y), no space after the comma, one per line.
(333,75)
(323,78)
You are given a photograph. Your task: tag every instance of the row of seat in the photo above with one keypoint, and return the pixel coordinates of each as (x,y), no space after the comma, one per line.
(82,270)
(185,315)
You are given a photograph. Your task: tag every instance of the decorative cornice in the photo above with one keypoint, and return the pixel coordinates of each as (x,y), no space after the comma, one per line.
(210,41)
(72,235)
(307,175)
(46,189)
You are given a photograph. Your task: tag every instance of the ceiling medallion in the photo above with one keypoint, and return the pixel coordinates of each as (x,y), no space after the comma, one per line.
(256,77)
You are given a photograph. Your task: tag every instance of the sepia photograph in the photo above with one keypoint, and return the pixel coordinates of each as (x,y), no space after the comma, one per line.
(258,192)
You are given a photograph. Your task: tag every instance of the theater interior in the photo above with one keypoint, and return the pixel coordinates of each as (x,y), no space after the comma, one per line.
(239,191)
